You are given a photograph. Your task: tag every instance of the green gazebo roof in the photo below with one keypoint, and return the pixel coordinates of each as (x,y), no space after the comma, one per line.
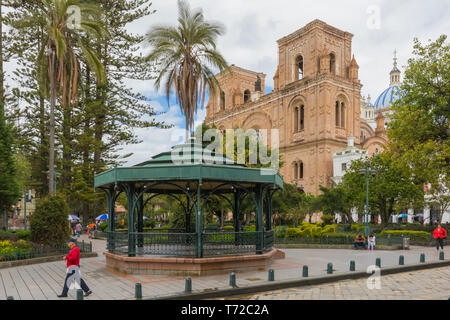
(188,162)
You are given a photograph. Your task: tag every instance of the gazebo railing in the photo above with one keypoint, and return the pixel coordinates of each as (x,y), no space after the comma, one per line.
(171,244)
(117,242)
(228,243)
(185,244)
(268,239)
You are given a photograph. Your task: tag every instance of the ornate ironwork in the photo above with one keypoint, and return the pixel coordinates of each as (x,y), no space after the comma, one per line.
(184,244)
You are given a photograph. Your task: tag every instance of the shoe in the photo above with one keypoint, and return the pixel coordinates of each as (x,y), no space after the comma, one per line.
(88,293)
(62,295)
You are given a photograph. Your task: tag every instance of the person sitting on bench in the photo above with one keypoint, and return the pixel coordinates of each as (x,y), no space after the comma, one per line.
(360,241)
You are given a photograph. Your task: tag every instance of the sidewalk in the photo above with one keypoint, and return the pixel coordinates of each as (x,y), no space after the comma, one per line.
(44,281)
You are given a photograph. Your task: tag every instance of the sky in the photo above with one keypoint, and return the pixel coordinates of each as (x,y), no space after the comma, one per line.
(254,26)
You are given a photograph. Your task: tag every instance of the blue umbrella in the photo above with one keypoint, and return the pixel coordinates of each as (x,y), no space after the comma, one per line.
(71,217)
(102,217)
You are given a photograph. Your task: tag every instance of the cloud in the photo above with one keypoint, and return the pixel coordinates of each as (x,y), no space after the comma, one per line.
(254,26)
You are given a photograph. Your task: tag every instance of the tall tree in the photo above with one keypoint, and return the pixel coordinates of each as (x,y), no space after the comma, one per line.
(9,188)
(186,56)
(340,199)
(61,59)
(392,186)
(419,134)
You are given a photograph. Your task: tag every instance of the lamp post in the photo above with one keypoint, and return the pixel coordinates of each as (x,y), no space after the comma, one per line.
(366,171)
(300,190)
(26,198)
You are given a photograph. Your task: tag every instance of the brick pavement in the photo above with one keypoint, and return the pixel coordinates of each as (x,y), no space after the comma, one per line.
(44,281)
(430,284)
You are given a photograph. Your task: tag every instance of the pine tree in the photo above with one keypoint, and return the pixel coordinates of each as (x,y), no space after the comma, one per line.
(9,188)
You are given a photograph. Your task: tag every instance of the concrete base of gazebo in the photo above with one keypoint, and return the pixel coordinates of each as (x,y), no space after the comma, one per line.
(191,266)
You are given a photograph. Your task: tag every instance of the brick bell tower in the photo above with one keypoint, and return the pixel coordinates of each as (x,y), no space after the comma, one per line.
(317,67)
(315,103)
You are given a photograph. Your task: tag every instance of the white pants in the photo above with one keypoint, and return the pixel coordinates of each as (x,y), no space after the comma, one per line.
(370,246)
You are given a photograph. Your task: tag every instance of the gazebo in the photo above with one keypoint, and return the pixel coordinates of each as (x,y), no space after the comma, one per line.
(190,174)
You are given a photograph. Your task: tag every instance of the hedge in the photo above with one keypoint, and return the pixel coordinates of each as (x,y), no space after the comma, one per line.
(422,235)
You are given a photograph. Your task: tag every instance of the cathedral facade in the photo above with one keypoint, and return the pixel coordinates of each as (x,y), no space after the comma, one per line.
(316,104)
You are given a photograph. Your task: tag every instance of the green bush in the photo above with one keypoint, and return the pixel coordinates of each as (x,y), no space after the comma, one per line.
(149,223)
(327,219)
(49,225)
(250,228)
(293,233)
(332,228)
(358,227)
(24,234)
(8,236)
(103,227)
(421,235)
(15,235)
(280,231)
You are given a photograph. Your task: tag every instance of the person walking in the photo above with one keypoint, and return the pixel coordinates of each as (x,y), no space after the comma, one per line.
(73,273)
(439,234)
(78,228)
(72,225)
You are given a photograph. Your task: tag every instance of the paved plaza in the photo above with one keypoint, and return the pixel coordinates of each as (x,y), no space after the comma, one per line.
(44,281)
(432,284)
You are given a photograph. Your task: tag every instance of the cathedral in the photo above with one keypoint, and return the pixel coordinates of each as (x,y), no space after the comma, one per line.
(316,104)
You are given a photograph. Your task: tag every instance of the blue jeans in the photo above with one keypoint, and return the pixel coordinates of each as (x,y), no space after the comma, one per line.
(360,244)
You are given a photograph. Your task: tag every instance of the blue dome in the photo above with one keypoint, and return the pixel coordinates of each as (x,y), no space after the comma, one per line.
(388,96)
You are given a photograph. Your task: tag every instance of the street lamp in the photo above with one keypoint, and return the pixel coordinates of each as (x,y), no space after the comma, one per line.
(367,171)
(299,189)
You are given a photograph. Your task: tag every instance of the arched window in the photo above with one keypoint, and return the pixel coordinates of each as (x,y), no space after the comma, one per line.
(302,117)
(295,171)
(299,68)
(332,63)
(301,169)
(296,119)
(337,114)
(342,115)
(247,96)
(222,100)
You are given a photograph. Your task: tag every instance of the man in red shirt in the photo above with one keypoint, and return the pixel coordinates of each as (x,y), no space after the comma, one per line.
(73,270)
(439,234)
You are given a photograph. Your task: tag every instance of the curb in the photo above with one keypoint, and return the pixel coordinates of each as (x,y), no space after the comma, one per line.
(18,263)
(298,283)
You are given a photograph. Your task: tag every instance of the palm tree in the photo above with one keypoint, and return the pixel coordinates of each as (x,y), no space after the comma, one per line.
(186,55)
(67,40)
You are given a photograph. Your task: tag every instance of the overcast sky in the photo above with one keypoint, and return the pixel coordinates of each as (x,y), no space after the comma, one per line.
(253,27)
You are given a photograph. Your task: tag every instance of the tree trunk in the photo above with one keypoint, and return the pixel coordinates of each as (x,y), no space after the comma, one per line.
(2,89)
(51,166)
(67,147)
(42,149)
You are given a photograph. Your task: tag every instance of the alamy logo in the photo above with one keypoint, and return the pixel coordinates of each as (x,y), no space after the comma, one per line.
(374,20)
(74,20)
(374,281)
